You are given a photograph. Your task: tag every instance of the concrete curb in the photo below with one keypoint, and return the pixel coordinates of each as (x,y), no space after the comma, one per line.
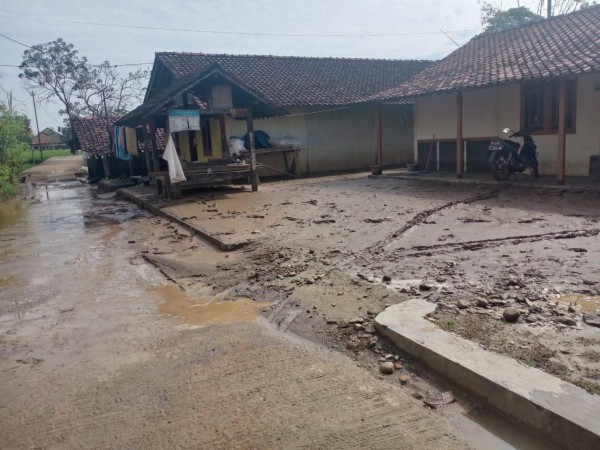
(559,411)
(223,246)
(515,184)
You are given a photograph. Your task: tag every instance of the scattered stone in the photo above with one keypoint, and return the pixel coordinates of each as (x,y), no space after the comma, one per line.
(589,282)
(482,302)
(386,279)
(435,400)
(352,346)
(425,287)
(356,320)
(386,368)
(567,321)
(404,379)
(343,323)
(372,342)
(358,327)
(462,304)
(418,395)
(592,320)
(370,329)
(331,321)
(511,314)
(398,366)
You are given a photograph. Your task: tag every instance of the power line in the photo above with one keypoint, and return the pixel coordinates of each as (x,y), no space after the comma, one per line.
(14,40)
(142,27)
(93,65)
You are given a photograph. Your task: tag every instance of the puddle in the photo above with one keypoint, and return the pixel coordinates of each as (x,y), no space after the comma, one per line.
(10,213)
(589,304)
(6,281)
(205,310)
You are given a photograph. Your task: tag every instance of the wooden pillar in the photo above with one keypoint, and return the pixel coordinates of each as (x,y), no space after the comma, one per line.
(250,127)
(377,168)
(224,143)
(147,149)
(460,160)
(562,131)
(106,166)
(152,127)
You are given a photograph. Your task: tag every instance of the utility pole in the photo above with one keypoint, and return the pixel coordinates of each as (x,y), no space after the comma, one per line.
(37,126)
(549,14)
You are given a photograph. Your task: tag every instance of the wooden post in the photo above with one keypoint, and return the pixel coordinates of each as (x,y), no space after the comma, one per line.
(224,144)
(147,149)
(154,146)
(250,128)
(562,131)
(460,160)
(377,168)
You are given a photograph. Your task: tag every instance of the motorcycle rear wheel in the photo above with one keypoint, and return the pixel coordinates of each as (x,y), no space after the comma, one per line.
(501,169)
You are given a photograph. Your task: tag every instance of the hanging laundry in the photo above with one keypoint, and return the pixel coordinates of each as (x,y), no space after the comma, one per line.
(170,155)
(131,140)
(120,149)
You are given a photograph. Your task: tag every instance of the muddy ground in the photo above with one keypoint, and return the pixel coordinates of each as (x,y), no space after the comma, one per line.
(340,249)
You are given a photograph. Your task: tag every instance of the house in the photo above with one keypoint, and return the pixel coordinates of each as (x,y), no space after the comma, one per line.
(309,99)
(544,76)
(48,139)
(93,136)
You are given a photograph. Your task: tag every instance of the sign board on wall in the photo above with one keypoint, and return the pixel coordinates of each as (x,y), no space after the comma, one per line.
(220,97)
(184,120)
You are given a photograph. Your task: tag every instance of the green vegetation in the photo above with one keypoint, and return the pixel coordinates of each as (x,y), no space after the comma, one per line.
(447,325)
(590,386)
(27,161)
(14,138)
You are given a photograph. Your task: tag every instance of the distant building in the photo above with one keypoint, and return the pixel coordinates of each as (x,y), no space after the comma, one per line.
(49,139)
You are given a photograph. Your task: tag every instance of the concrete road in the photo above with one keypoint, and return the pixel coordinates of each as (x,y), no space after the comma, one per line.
(99,350)
(57,168)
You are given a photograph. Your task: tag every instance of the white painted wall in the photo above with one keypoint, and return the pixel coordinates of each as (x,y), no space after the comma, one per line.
(487,111)
(338,139)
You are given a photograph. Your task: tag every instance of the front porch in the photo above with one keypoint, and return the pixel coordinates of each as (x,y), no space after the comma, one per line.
(573,184)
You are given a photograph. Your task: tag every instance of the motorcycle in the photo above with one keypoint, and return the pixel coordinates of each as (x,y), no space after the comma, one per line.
(507,157)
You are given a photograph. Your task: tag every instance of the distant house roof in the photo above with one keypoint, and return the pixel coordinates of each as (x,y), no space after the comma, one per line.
(48,137)
(561,45)
(292,81)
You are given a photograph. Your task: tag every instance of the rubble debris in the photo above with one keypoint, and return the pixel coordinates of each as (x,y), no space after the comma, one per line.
(440,399)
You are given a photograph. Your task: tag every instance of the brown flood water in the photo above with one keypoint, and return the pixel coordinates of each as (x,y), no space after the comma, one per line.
(589,304)
(207,310)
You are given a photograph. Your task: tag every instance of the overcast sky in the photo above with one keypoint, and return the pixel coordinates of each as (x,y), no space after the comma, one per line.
(460,18)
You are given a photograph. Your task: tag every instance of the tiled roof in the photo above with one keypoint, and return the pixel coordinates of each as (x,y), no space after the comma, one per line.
(93,139)
(48,137)
(562,45)
(92,135)
(301,81)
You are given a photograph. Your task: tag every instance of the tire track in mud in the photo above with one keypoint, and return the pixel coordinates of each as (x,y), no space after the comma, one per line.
(427,250)
(421,217)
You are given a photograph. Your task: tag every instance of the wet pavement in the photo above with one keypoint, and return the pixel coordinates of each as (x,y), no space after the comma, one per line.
(98,349)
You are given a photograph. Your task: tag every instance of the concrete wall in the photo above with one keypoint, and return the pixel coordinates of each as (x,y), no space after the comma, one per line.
(487,111)
(339,139)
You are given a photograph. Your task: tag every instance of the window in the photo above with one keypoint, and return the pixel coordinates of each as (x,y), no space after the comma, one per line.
(539,105)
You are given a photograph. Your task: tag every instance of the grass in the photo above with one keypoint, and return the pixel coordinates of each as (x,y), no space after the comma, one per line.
(447,325)
(590,386)
(28,161)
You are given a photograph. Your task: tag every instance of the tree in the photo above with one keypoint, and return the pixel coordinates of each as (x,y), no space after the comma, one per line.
(55,70)
(13,128)
(494,19)
(559,7)
(104,91)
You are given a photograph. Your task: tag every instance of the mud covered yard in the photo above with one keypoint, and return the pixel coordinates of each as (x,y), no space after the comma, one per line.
(332,252)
